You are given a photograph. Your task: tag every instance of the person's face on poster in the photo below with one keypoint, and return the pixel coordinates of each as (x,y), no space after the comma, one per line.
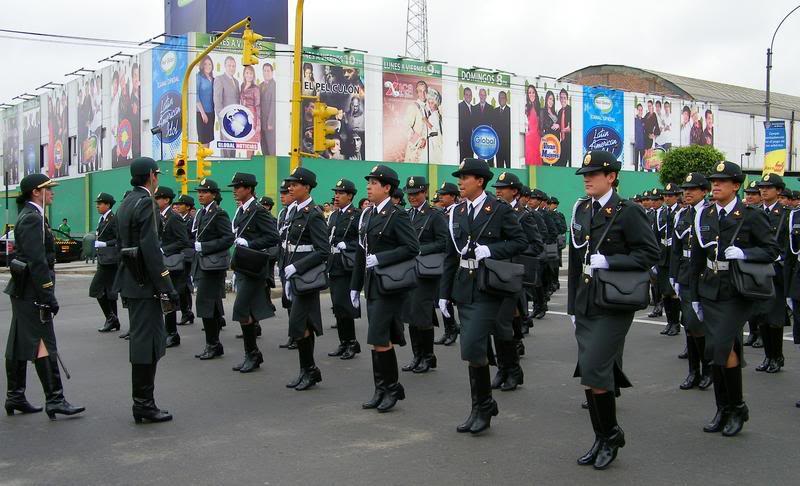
(351,74)
(207,67)
(267,70)
(249,75)
(309,112)
(468,96)
(658,108)
(502,98)
(563,99)
(357,143)
(135,78)
(667,109)
(422,91)
(308,73)
(639,111)
(356,105)
(684,117)
(432,106)
(551,102)
(709,121)
(336,150)
(649,107)
(482,96)
(531,94)
(230,66)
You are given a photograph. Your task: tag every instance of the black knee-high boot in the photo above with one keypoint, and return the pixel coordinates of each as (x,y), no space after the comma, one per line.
(49,375)
(311,375)
(721,398)
(143,387)
(693,354)
(342,332)
(612,438)
(213,347)
(706,374)
(514,374)
(473,389)
(738,411)
(16,378)
(349,335)
(252,356)
(394,390)
(485,406)
(764,331)
(380,383)
(413,334)
(428,358)
(776,340)
(590,456)
(500,352)
(112,322)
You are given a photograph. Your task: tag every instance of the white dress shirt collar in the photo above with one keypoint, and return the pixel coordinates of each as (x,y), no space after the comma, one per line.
(300,205)
(604,199)
(729,206)
(382,204)
(477,203)
(39,208)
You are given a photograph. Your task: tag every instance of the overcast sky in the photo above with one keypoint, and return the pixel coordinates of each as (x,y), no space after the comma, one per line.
(719,40)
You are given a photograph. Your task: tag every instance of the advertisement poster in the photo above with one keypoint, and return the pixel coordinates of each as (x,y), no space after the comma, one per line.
(774,147)
(169,66)
(412,111)
(235,103)
(126,116)
(337,78)
(697,124)
(484,99)
(90,122)
(603,125)
(31,136)
(57,133)
(656,126)
(547,122)
(10,120)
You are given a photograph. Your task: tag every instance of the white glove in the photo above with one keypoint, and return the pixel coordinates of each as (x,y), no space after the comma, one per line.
(100,244)
(734,253)
(372,261)
(698,310)
(481,252)
(598,261)
(677,287)
(198,246)
(355,298)
(443,307)
(790,303)
(654,269)
(240,242)
(341,245)
(672,281)
(289,271)
(572,318)
(287,289)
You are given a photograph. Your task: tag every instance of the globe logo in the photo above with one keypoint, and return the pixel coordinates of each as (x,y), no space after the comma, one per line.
(237,122)
(485,142)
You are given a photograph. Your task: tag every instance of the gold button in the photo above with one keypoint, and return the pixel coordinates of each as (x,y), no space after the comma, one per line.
(587,237)
(586,280)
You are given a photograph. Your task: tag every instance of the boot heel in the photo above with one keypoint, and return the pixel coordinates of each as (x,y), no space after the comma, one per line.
(9,411)
(138,419)
(51,414)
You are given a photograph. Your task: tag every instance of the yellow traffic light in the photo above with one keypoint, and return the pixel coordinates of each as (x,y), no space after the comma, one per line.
(203,165)
(179,167)
(323,126)
(249,49)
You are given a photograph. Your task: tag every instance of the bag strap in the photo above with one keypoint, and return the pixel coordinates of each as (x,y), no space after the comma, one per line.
(607,228)
(200,233)
(736,233)
(255,210)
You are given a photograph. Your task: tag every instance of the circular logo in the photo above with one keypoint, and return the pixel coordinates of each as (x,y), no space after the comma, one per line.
(550,147)
(603,103)
(58,155)
(124,137)
(168,62)
(237,122)
(603,137)
(485,142)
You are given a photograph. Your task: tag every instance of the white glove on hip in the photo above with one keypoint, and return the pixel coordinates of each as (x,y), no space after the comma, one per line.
(289,271)
(481,252)
(698,309)
(734,253)
(677,288)
(287,289)
(240,242)
(198,246)
(790,303)
(443,307)
(100,244)
(598,261)
(341,245)
(355,298)
(572,318)
(372,261)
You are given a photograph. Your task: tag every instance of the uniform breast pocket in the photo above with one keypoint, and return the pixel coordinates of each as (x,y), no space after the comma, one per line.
(613,243)
(743,239)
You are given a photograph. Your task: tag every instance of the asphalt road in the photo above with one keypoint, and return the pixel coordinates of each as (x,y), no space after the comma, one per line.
(249,429)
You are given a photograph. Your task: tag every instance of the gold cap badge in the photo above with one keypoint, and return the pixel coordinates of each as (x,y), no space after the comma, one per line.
(339,184)
(411,182)
(689,178)
(461,165)
(203,182)
(721,167)
(502,176)
(587,160)
(374,168)
(766,177)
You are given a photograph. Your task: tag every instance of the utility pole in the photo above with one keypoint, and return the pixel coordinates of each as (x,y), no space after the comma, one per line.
(769,52)
(297,88)
(417,30)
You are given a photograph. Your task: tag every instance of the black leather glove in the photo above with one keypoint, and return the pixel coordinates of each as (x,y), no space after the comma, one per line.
(52,302)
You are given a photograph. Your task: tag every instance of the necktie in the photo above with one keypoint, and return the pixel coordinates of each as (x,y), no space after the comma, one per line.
(470,215)
(722,214)
(595,208)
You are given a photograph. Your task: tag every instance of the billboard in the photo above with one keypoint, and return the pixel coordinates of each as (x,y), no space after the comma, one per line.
(235,113)
(774,147)
(656,129)
(337,78)
(11,144)
(31,136)
(697,124)
(169,66)
(412,111)
(57,133)
(484,116)
(90,123)
(126,115)
(269,17)
(603,124)
(546,114)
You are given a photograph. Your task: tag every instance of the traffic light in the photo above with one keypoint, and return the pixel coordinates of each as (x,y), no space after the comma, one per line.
(323,126)
(249,49)
(203,165)
(179,167)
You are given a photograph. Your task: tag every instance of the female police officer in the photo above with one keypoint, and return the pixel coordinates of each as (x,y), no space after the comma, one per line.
(385,238)
(715,299)
(628,244)
(31,336)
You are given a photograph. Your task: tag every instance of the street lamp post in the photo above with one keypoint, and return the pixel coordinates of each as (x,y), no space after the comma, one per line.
(769,52)
(157,131)
(741,158)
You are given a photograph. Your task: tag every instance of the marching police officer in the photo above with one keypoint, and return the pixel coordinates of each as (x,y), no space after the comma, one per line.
(448,195)
(252,230)
(144,283)
(31,336)
(656,200)
(611,233)
(727,230)
(287,201)
(343,237)
(752,194)
(105,245)
(695,187)
(174,241)
(770,322)
(536,202)
(306,248)
(386,238)
(420,309)
(183,206)
(480,227)
(213,239)
(752,197)
(665,229)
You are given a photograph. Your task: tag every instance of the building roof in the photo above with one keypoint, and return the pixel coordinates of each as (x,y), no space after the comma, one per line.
(728,97)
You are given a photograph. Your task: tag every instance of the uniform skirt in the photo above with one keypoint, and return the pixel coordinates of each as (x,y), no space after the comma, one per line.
(479,320)
(304,313)
(723,321)
(418,311)
(180,281)
(772,312)
(340,297)
(601,341)
(27,330)
(251,299)
(103,282)
(385,325)
(662,282)
(688,317)
(148,334)
(210,293)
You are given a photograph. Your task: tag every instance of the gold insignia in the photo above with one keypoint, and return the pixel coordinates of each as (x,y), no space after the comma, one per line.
(775,211)
(383,213)
(721,167)
(203,182)
(47,285)
(488,209)
(587,206)
(753,184)
(461,165)
(605,164)
(374,168)
(608,210)
(766,177)
(165,273)
(411,182)
(443,183)
(305,209)
(655,192)
(646,193)
(98,196)
(502,176)
(737,213)
(689,178)
(295,170)
(339,184)
(587,160)
(462,209)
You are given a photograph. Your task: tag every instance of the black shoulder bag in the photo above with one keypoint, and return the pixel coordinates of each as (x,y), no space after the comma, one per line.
(249,261)
(314,279)
(753,280)
(398,277)
(214,262)
(498,277)
(620,290)
(108,255)
(432,264)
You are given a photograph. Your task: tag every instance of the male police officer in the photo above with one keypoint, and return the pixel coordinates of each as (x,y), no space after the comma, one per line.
(105,245)
(287,201)
(184,206)
(664,231)
(144,283)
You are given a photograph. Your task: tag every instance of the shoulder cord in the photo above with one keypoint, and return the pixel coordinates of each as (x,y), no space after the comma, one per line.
(791,240)
(572,232)
(678,214)
(658,218)
(469,238)
(344,235)
(98,235)
(239,233)
(697,230)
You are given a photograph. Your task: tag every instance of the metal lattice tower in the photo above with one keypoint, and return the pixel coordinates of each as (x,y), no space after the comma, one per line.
(417,30)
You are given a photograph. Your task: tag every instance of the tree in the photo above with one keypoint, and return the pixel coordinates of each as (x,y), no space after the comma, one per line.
(680,161)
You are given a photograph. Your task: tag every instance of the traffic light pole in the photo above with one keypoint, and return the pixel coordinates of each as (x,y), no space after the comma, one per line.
(184,153)
(297,87)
